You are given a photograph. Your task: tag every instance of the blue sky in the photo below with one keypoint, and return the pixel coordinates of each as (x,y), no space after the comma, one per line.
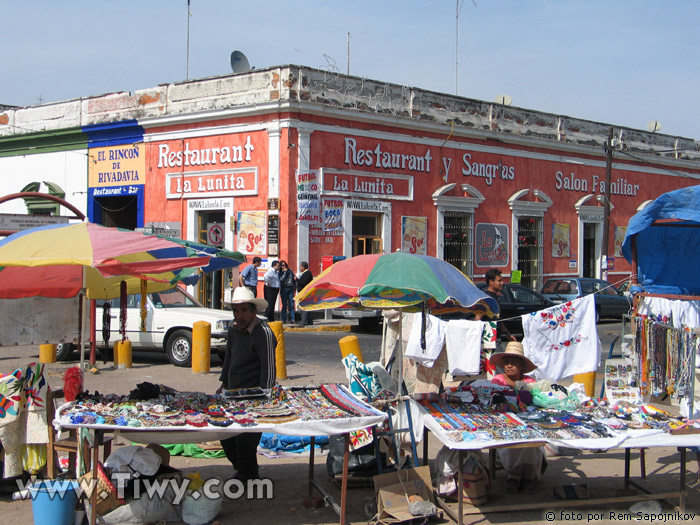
(621,62)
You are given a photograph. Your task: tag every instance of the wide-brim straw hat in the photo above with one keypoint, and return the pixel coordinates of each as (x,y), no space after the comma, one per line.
(513,349)
(243,295)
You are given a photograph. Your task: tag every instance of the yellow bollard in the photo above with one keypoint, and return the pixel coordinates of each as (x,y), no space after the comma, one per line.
(125,354)
(280,353)
(47,353)
(115,353)
(350,344)
(201,347)
(588,381)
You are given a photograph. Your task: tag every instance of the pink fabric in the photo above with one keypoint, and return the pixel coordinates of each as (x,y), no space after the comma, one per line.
(500,379)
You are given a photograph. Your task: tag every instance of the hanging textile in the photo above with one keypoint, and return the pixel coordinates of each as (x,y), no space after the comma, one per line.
(562,340)
(434,340)
(463,343)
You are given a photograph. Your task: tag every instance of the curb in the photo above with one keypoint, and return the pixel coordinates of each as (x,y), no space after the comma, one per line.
(320,328)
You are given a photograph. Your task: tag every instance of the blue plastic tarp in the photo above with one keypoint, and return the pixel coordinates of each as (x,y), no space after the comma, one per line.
(668,252)
(282,443)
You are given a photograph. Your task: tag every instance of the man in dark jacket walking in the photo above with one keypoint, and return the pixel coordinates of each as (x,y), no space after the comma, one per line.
(305,277)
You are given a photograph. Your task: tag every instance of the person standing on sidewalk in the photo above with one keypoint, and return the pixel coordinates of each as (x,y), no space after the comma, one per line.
(249,362)
(287,286)
(304,278)
(249,276)
(494,288)
(271,289)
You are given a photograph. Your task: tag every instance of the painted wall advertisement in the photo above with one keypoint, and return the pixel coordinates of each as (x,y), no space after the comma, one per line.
(333,215)
(121,168)
(308,197)
(561,240)
(251,238)
(620,233)
(414,235)
(491,245)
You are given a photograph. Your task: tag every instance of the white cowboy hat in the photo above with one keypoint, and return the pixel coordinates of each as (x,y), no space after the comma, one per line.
(513,349)
(243,295)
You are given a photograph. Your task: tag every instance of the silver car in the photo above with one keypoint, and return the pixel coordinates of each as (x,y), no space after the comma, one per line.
(609,302)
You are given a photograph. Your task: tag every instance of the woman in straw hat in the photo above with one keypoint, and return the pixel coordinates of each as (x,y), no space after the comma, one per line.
(523,466)
(514,364)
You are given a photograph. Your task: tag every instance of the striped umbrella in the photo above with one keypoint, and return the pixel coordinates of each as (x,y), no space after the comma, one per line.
(395,280)
(60,260)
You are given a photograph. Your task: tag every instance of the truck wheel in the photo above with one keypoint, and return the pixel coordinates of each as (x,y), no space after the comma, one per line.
(179,348)
(64,351)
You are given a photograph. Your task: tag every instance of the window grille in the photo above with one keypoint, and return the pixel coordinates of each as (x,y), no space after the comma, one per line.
(530,239)
(458,241)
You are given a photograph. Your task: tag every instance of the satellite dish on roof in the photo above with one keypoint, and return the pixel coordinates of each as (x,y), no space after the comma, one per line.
(504,100)
(654,126)
(239,62)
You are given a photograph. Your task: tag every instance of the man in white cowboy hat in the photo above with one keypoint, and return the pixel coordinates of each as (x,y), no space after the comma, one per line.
(249,362)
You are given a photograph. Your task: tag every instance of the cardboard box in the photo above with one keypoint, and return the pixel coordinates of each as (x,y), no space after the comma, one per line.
(396,489)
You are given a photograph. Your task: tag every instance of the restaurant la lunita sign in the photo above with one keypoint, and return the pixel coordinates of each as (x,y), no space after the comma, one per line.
(210,168)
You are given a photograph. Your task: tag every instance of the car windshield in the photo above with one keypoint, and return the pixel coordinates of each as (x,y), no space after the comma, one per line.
(523,295)
(174,298)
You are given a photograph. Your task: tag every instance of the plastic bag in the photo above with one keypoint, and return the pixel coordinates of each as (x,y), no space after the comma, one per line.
(201,510)
(145,510)
(475,475)
(134,458)
(555,401)
(33,458)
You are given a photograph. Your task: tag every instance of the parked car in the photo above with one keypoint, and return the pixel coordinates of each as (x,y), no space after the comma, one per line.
(369,320)
(609,301)
(169,319)
(516,300)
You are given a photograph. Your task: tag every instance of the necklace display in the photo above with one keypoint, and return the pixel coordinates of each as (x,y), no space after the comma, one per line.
(664,357)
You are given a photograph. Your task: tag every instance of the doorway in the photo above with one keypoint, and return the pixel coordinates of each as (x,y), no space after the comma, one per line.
(366,233)
(590,250)
(211,285)
(117,212)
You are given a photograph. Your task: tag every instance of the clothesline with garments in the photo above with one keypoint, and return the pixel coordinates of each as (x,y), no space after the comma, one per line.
(594,293)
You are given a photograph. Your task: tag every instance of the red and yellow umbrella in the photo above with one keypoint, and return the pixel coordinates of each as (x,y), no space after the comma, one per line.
(60,260)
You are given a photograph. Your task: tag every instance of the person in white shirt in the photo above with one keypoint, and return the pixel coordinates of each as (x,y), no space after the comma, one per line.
(271,289)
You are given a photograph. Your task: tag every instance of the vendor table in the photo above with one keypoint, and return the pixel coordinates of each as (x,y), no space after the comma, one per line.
(368,416)
(627,440)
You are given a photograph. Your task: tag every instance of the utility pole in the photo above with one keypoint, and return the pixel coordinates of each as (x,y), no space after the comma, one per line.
(606,208)
(187,70)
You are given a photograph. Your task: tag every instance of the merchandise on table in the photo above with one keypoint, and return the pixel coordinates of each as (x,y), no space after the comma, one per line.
(468,414)
(242,407)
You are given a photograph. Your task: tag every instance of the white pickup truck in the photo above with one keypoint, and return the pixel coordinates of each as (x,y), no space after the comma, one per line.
(169,319)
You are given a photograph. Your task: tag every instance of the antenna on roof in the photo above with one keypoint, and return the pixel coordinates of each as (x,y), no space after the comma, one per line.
(654,126)
(239,62)
(503,100)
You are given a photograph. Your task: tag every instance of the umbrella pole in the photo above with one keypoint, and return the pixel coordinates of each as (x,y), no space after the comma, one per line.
(81,313)
(399,359)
